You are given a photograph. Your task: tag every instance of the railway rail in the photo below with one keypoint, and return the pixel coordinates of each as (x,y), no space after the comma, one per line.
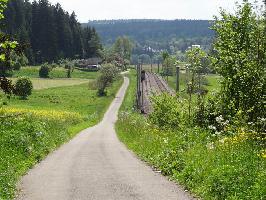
(154,85)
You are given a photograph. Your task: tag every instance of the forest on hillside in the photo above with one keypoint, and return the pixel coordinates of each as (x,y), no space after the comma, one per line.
(49,32)
(151,35)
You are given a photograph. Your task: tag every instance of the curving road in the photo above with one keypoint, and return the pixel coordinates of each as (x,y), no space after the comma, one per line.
(96,166)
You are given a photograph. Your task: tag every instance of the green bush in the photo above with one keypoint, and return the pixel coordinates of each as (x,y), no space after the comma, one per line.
(17,66)
(107,76)
(53,65)
(6,86)
(44,71)
(18,61)
(166,111)
(23,87)
(23,60)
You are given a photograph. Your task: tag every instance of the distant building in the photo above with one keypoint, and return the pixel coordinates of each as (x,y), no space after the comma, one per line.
(92,64)
(196,46)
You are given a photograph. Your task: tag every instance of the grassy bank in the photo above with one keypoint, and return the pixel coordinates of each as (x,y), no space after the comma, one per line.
(211,166)
(30,129)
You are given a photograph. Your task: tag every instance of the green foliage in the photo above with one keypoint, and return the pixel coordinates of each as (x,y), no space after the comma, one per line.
(17,66)
(23,87)
(92,46)
(7,46)
(166,111)
(108,74)
(143,58)
(120,54)
(18,61)
(169,65)
(2,7)
(44,71)
(195,57)
(6,86)
(240,59)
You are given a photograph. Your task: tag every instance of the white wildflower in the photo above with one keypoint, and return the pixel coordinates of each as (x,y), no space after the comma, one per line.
(218,133)
(210,146)
(211,127)
(39,134)
(220,119)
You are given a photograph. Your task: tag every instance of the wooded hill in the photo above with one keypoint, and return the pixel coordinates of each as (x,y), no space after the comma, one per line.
(50,31)
(158,34)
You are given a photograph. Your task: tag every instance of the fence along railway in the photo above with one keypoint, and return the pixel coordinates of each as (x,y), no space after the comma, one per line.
(149,84)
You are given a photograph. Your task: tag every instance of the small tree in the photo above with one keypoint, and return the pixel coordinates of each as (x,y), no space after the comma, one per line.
(240,58)
(44,71)
(107,76)
(195,58)
(123,49)
(23,87)
(168,66)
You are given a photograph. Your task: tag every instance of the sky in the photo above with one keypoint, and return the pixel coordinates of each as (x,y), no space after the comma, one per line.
(145,9)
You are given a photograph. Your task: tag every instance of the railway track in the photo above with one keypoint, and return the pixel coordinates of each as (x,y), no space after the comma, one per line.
(153,85)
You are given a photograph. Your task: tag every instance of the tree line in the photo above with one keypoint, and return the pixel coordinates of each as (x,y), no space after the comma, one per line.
(170,35)
(49,32)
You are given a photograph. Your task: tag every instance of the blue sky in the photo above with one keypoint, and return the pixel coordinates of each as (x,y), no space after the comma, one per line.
(145,9)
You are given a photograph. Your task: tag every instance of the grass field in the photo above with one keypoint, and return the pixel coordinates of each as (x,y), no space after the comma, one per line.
(211,82)
(33,72)
(39,83)
(78,98)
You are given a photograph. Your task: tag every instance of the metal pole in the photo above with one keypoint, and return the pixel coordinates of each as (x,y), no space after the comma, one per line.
(142,100)
(177,78)
(139,80)
(137,94)
(151,65)
(158,67)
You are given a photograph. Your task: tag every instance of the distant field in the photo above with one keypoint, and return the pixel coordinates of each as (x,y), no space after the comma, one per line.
(212,83)
(39,83)
(33,72)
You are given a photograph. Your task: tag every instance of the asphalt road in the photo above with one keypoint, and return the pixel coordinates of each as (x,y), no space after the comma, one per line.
(95,165)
